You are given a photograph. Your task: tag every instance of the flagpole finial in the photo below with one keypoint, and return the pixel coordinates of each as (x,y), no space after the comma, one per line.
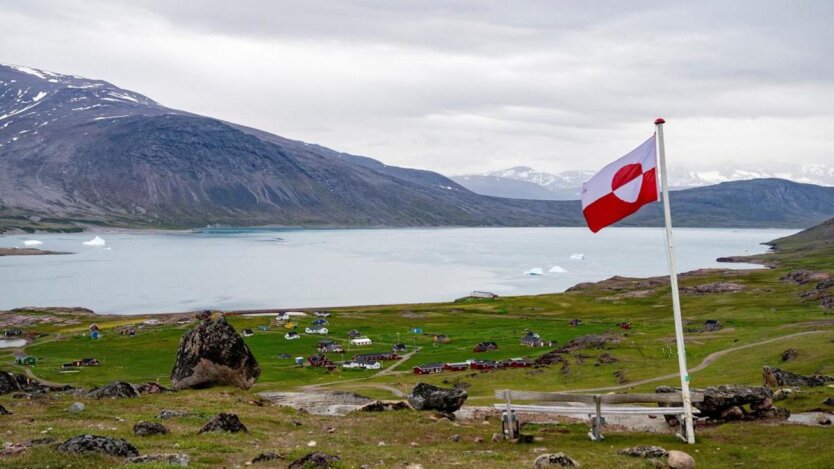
(659,121)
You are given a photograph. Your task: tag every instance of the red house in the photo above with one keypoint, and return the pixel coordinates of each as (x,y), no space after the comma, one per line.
(428,369)
(375,357)
(462,366)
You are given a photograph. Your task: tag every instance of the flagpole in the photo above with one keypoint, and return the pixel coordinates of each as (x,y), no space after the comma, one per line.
(673,277)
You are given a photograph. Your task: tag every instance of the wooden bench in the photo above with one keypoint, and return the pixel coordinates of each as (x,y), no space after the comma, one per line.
(590,405)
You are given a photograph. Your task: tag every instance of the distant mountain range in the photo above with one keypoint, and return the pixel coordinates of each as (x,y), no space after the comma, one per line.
(80,151)
(522,182)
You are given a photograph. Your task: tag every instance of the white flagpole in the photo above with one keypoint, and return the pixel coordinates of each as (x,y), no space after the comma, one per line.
(673,277)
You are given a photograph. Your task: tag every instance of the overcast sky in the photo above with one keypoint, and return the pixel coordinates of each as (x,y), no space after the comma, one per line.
(462,87)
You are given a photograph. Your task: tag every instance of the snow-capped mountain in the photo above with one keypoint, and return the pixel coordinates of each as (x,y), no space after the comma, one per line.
(517,182)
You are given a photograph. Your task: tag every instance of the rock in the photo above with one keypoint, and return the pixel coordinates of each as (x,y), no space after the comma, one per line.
(454,438)
(40,441)
(763,405)
(621,377)
(152,388)
(554,460)
(214,354)
(379,406)
(478,439)
(315,460)
(789,354)
(680,460)
(149,428)
(524,438)
(75,408)
(10,383)
(732,413)
(606,358)
(99,444)
(173,459)
(828,401)
(167,414)
(224,423)
(117,390)
(774,377)
(715,287)
(3,411)
(801,277)
(427,397)
(266,457)
(644,451)
(720,398)
(773,413)
(823,419)
(782,394)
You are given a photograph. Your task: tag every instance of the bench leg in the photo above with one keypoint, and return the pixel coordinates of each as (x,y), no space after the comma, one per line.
(509,425)
(682,433)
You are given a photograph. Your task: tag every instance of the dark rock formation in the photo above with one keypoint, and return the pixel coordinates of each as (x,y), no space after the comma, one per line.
(715,287)
(214,354)
(3,411)
(315,460)
(645,451)
(801,277)
(606,358)
(427,397)
(724,402)
(117,390)
(10,382)
(175,459)
(828,401)
(789,354)
(224,423)
(774,377)
(152,388)
(267,457)
(379,406)
(554,460)
(166,414)
(149,428)
(98,444)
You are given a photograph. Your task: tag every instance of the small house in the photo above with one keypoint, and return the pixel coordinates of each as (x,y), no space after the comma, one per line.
(284,356)
(575,322)
(399,348)
(322,314)
(290,325)
(441,339)
(25,360)
(531,339)
(624,325)
(329,346)
(485,365)
(428,369)
(361,341)
(184,321)
(517,363)
(86,362)
(263,328)
(151,322)
(416,330)
(483,294)
(95,335)
(93,327)
(354,334)
(371,365)
(247,333)
(353,365)
(711,325)
(299,361)
(319,322)
(128,331)
(292,336)
(460,366)
(316,330)
(375,356)
(319,360)
(13,332)
(485,347)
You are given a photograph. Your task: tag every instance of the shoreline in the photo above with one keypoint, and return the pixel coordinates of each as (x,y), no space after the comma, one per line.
(30,252)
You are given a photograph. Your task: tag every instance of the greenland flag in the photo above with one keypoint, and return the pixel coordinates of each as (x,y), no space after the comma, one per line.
(621,188)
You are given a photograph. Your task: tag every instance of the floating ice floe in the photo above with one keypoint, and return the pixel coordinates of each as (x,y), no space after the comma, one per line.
(557,269)
(97,241)
(32,242)
(577,256)
(534,271)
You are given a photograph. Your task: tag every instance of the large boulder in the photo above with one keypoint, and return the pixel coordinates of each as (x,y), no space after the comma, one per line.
(719,400)
(315,460)
(99,444)
(554,460)
(645,451)
(149,428)
(680,460)
(116,390)
(427,397)
(173,459)
(774,377)
(224,422)
(214,354)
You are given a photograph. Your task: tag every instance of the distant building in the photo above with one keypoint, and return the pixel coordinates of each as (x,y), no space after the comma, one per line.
(151,322)
(441,339)
(399,348)
(25,360)
(329,346)
(93,327)
(361,341)
(461,366)
(128,331)
(712,325)
(485,365)
(483,294)
(375,357)
(517,363)
(12,332)
(318,322)
(95,335)
(531,339)
(263,328)
(292,336)
(354,333)
(485,347)
(247,333)
(428,369)
(575,322)
(316,330)
(322,314)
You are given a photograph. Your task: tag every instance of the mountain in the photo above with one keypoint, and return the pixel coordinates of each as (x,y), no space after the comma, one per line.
(81,151)
(565,185)
(85,150)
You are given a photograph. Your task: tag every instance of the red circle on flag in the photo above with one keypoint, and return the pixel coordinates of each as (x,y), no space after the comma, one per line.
(625,175)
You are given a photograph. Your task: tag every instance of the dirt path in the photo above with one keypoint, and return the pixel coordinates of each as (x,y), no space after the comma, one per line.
(396,363)
(707,361)
(387,370)
(28,372)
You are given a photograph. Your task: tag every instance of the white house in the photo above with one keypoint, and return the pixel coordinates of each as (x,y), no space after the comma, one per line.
(322,314)
(151,322)
(372,366)
(288,314)
(292,336)
(361,341)
(353,365)
(316,330)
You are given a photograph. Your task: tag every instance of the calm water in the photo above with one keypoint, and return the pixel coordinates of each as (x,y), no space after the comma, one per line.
(238,269)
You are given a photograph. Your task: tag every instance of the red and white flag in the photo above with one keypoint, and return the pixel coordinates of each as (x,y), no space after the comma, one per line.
(621,188)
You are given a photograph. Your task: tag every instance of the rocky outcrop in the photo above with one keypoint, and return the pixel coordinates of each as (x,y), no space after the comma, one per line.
(315,460)
(774,377)
(10,382)
(214,354)
(152,388)
(428,397)
(801,277)
(606,358)
(726,401)
(149,428)
(645,451)
(166,414)
(4,411)
(789,354)
(269,456)
(715,287)
(380,406)
(116,390)
(174,459)
(224,423)
(554,460)
(99,444)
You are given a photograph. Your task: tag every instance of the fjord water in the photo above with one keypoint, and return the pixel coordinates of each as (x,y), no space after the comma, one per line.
(260,268)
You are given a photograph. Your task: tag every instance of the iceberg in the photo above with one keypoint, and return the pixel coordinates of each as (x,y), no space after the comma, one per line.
(534,271)
(97,241)
(32,242)
(577,256)
(557,269)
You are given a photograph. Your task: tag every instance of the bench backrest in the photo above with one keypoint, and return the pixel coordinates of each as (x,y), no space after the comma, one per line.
(654,398)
